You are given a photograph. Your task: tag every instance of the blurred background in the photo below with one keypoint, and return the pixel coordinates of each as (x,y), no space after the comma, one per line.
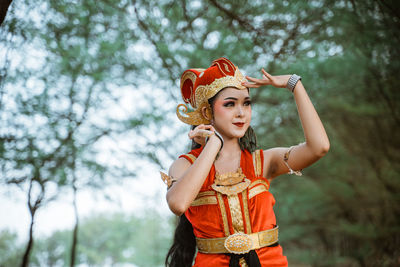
(88,93)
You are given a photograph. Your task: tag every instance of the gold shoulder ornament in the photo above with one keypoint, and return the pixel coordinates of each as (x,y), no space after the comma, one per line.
(168,180)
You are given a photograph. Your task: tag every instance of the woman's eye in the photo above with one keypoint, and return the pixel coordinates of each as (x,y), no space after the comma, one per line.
(247,103)
(229,104)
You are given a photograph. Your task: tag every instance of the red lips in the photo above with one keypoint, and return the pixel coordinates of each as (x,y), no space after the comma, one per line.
(239,124)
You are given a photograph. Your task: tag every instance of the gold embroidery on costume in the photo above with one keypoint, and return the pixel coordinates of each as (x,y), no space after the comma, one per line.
(246,211)
(191,156)
(271,238)
(223,213)
(204,245)
(206,200)
(229,178)
(242,240)
(257,190)
(206,193)
(236,213)
(232,189)
(257,162)
(259,181)
(238,243)
(230,183)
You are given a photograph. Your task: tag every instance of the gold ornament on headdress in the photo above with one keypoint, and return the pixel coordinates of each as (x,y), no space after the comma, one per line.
(195,117)
(204,92)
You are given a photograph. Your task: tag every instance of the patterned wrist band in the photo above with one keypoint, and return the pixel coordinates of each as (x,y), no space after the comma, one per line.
(292,82)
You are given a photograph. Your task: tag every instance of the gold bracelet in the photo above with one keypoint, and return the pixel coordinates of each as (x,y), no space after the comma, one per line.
(286,158)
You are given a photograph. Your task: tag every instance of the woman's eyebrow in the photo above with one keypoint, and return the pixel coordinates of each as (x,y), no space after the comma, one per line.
(234,98)
(231,98)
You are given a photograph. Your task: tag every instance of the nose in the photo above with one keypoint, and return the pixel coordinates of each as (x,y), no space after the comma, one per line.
(240,111)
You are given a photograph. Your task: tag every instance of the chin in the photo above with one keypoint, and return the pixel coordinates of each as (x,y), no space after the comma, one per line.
(240,136)
(243,131)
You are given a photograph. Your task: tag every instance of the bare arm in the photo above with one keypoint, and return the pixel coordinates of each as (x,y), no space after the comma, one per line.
(190,177)
(317,142)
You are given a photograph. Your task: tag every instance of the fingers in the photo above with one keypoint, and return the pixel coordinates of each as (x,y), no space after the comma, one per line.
(203,127)
(267,79)
(250,85)
(204,133)
(201,131)
(260,81)
(256,82)
(206,127)
(190,134)
(267,74)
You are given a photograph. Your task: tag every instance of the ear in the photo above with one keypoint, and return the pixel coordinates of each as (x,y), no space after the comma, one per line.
(206,112)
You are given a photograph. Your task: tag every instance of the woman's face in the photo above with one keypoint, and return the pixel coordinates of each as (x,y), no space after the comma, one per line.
(232,112)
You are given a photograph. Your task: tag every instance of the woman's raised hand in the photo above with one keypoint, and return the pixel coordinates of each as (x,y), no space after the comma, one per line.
(279,81)
(200,133)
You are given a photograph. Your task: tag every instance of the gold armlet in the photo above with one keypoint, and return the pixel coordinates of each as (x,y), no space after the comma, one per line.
(168,180)
(286,158)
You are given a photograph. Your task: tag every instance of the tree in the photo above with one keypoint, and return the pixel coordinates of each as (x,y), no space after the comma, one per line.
(108,240)
(348,56)
(344,210)
(53,109)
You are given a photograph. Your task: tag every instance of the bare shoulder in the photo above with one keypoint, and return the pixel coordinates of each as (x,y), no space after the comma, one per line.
(179,167)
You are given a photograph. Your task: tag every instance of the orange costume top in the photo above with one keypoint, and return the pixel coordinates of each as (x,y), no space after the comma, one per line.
(216,213)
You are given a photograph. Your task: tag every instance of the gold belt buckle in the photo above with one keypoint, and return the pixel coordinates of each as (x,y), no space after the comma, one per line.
(238,243)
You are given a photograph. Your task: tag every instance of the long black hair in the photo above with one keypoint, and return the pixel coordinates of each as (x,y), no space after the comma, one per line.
(183,248)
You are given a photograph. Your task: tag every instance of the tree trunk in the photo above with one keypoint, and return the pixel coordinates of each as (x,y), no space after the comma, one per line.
(25,259)
(75,232)
(33,206)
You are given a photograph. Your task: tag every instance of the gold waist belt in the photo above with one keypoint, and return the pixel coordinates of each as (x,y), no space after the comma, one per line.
(238,243)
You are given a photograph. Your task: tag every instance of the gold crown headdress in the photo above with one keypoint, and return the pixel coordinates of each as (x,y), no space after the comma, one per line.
(199,85)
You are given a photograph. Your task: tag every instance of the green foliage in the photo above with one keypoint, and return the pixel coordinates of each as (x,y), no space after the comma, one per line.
(109,240)
(53,250)
(343,212)
(10,249)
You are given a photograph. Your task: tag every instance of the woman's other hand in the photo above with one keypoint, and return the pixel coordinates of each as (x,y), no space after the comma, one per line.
(279,81)
(200,133)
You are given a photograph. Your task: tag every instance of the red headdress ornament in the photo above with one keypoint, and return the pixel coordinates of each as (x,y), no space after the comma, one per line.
(199,85)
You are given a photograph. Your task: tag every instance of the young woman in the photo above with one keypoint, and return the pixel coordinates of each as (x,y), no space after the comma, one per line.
(220,189)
